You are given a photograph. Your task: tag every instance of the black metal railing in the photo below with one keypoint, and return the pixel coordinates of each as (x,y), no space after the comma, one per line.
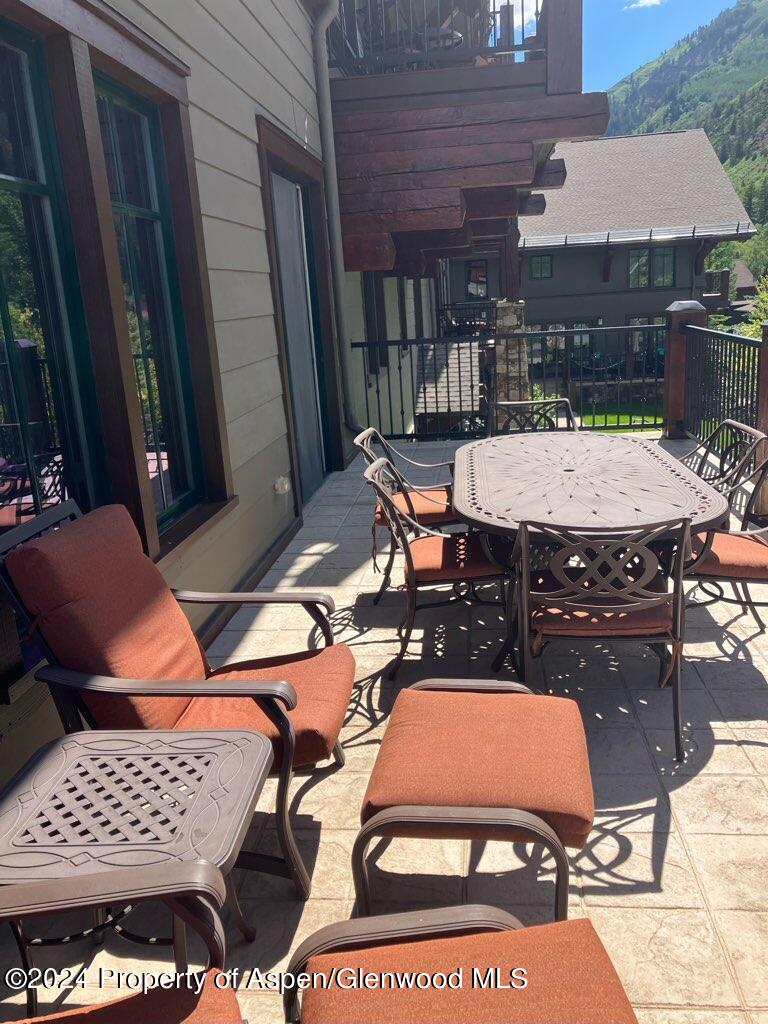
(462,318)
(721,381)
(441,387)
(375,36)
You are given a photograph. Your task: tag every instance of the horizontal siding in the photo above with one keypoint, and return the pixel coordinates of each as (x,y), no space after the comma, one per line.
(250,387)
(242,342)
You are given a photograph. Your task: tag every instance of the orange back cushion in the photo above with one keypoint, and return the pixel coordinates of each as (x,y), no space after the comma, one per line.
(103,607)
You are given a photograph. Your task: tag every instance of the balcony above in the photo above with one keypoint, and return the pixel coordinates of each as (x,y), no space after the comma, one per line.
(444,128)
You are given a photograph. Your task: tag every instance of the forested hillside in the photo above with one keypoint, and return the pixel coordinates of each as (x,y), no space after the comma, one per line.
(717,79)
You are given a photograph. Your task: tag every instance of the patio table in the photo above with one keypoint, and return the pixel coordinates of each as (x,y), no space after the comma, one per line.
(96,801)
(579,480)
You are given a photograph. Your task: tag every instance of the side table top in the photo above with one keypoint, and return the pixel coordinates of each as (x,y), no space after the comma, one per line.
(98,800)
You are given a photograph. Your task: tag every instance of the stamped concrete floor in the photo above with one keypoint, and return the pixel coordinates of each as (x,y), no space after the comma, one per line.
(675,874)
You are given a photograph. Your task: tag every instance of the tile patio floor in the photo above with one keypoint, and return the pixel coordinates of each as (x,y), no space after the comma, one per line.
(675,876)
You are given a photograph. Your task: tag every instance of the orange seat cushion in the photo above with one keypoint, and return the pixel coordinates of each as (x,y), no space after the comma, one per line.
(733,556)
(459,556)
(433,505)
(453,749)
(571,980)
(323,681)
(171,1006)
(622,622)
(104,608)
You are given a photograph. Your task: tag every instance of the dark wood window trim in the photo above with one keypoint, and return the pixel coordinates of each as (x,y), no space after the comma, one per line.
(79,37)
(279,152)
(651,251)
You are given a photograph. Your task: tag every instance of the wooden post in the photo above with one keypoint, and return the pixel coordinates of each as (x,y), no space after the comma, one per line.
(678,315)
(563,34)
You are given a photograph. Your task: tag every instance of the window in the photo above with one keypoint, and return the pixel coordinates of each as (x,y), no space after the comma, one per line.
(137,184)
(652,268)
(477,280)
(42,458)
(541,267)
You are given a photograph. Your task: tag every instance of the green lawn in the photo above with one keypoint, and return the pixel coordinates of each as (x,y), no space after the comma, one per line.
(614,416)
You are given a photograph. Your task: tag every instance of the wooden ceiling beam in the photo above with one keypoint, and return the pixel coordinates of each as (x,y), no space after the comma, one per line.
(396,161)
(380,221)
(533,206)
(551,174)
(406,199)
(477,175)
(369,252)
(491,203)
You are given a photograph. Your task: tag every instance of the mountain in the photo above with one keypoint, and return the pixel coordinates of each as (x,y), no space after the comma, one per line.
(716,78)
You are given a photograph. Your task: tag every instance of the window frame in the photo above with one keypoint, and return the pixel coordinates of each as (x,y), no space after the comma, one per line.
(468,267)
(550,262)
(159,185)
(651,252)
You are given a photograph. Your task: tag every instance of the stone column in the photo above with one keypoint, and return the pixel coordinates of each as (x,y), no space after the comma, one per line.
(504,360)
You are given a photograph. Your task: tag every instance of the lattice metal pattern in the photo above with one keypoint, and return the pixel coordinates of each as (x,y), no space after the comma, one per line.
(119,800)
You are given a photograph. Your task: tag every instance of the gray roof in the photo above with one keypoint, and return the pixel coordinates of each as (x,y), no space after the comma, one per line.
(634,187)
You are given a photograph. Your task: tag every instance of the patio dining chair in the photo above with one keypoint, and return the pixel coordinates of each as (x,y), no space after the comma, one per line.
(427,506)
(530,416)
(432,559)
(623,587)
(729,456)
(569,974)
(122,654)
(194,892)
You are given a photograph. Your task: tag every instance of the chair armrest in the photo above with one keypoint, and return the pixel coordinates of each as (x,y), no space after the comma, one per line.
(360,933)
(473,685)
(317,605)
(172,880)
(302,597)
(86,683)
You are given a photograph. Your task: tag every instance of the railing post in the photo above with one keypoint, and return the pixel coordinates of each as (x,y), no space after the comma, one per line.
(675,364)
(761,502)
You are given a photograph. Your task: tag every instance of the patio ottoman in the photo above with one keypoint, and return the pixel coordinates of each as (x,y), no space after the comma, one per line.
(480,760)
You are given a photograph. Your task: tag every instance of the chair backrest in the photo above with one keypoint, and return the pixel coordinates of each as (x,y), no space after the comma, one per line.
(382,476)
(528,417)
(582,571)
(102,607)
(729,457)
(368,441)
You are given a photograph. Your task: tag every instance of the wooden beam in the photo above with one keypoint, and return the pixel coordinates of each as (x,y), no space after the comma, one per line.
(369,252)
(526,112)
(415,241)
(533,206)
(563,29)
(491,202)
(407,264)
(476,175)
(351,143)
(408,199)
(396,161)
(551,174)
(379,222)
(607,264)
(489,228)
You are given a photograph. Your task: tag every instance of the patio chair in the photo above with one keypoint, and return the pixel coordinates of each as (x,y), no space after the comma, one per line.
(738,557)
(571,979)
(479,759)
(427,506)
(623,587)
(122,654)
(195,892)
(432,559)
(530,416)
(728,457)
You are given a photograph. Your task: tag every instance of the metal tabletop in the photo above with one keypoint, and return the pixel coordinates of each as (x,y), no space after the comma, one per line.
(578,480)
(93,801)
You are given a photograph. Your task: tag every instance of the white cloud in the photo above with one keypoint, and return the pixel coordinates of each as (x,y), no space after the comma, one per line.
(643,3)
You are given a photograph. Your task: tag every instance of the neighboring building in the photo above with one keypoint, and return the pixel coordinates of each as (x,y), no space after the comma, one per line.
(627,235)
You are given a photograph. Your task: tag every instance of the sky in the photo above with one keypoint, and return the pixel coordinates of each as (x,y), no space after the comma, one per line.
(621,35)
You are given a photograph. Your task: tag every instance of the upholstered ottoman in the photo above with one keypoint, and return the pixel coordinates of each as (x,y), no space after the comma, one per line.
(480,760)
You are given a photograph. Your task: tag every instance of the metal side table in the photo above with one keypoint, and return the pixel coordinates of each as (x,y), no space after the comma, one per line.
(94,801)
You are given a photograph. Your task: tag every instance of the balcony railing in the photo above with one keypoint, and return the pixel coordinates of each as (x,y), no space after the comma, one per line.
(722,379)
(433,388)
(461,318)
(375,36)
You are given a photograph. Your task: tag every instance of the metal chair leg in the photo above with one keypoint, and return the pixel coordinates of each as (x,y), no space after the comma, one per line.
(753,608)
(410,615)
(677,706)
(296,868)
(387,570)
(338,754)
(180,945)
(26,962)
(233,906)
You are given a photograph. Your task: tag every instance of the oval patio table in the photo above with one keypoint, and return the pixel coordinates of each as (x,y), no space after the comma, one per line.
(579,480)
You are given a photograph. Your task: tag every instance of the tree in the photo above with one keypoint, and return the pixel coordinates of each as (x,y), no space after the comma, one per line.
(753,328)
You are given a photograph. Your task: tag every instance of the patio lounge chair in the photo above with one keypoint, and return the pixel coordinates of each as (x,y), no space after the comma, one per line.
(432,559)
(478,759)
(530,416)
(625,587)
(426,506)
(570,977)
(194,892)
(122,654)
